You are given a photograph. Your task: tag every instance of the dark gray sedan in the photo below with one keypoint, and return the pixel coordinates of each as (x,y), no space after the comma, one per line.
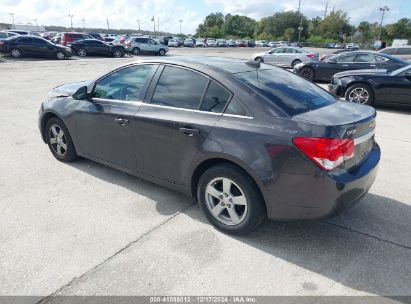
(247,140)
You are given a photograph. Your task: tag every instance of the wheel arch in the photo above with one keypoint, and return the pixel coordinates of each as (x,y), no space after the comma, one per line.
(355,82)
(44,119)
(205,164)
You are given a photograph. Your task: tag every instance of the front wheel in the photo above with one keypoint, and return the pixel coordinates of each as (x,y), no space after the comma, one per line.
(307,73)
(118,53)
(60,55)
(59,140)
(230,200)
(82,52)
(360,93)
(259,60)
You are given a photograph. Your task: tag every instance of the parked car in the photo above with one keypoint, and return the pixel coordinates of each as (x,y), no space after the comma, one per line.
(374,87)
(339,46)
(329,45)
(24,33)
(352,46)
(261,43)
(200,42)
(285,56)
(355,60)
(231,43)
(86,47)
(174,43)
(48,35)
(403,52)
(250,43)
(189,42)
(211,42)
(6,35)
(96,36)
(68,38)
(33,46)
(144,45)
(239,137)
(221,43)
(241,43)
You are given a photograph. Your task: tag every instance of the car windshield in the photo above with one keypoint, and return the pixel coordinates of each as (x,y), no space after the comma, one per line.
(293,94)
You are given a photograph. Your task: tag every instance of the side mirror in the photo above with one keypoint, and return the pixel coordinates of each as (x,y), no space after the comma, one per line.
(81,94)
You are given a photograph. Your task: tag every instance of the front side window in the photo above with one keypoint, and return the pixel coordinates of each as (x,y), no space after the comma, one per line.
(179,88)
(215,99)
(126,84)
(368,58)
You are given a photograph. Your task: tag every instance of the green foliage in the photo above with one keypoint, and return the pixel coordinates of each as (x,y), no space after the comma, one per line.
(335,26)
(289,33)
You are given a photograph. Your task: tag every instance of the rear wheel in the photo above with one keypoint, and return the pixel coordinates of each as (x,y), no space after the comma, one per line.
(118,53)
(307,73)
(136,51)
(230,200)
(60,55)
(295,62)
(360,93)
(162,52)
(15,53)
(82,52)
(59,140)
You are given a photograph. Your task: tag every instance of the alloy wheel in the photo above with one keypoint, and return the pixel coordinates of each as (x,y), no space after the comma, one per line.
(15,53)
(117,53)
(58,140)
(226,201)
(60,55)
(307,73)
(82,52)
(359,95)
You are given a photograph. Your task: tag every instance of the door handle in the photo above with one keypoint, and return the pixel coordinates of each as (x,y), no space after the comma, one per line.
(121,121)
(189,131)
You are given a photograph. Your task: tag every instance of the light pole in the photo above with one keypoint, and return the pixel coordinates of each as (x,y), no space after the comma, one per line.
(35,21)
(84,24)
(138,21)
(71,21)
(12,18)
(382,10)
(181,21)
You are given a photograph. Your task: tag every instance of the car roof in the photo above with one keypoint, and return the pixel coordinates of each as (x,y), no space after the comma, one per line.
(224,64)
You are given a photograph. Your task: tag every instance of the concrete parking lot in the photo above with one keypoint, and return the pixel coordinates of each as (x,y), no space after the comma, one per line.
(86,229)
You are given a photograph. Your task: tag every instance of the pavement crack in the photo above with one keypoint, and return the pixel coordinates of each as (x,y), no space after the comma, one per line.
(368,235)
(96,267)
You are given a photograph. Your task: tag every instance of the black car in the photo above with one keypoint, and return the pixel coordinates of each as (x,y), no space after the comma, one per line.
(96,47)
(24,33)
(33,46)
(248,140)
(374,86)
(355,60)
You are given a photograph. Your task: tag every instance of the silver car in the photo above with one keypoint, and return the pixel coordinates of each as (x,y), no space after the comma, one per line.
(403,52)
(285,56)
(145,45)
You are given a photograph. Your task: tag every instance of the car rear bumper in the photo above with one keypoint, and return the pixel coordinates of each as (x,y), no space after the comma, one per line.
(320,195)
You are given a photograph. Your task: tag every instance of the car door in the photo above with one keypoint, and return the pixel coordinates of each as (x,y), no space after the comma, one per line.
(25,44)
(174,121)
(100,48)
(401,88)
(365,61)
(104,123)
(335,64)
(152,46)
(42,48)
(274,56)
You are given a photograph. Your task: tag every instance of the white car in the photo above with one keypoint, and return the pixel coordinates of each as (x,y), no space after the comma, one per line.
(285,56)
(200,42)
(211,43)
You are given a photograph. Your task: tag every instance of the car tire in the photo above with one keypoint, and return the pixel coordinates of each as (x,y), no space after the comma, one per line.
(162,52)
(295,62)
(82,52)
(307,73)
(59,140)
(259,60)
(15,53)
(235,218)
(360,93)
(136,51)
(118,53)
(60,55)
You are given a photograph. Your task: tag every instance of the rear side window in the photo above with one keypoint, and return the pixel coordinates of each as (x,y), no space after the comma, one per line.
(389,51)
(141,40)
(215,99)
(291,93)
(170,92)
(346,58)
(39,42)
(364,58)
(404,51)
(25,40)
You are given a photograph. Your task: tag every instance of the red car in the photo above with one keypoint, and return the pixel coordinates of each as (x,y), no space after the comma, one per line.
(68,38)
(241,43)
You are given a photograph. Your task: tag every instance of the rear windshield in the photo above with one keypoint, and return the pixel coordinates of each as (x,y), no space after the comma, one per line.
(293,94)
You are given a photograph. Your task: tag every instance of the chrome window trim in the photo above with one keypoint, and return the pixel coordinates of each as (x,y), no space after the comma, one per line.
(179,109)
(237,116)
(117,101)
(361,139)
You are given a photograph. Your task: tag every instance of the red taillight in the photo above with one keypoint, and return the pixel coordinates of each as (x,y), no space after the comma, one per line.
(327,153)
(310,55)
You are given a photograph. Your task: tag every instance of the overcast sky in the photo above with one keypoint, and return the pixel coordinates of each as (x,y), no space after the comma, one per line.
(124,13)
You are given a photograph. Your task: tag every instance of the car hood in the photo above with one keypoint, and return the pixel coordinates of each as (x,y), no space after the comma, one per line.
(67,90)
(360,73)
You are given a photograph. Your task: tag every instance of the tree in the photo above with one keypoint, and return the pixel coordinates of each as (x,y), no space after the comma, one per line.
(239,26)
(289,33)
(336,25)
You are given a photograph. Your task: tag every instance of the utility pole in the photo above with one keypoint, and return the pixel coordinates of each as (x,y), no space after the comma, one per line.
(154,23)
(299,6)
(300,27)
(108,25)
(138,22)
(181,21)
(326,9)
(382,10)
(71,21)
(12,18)
(158,24)
(84,26)
(35,21)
